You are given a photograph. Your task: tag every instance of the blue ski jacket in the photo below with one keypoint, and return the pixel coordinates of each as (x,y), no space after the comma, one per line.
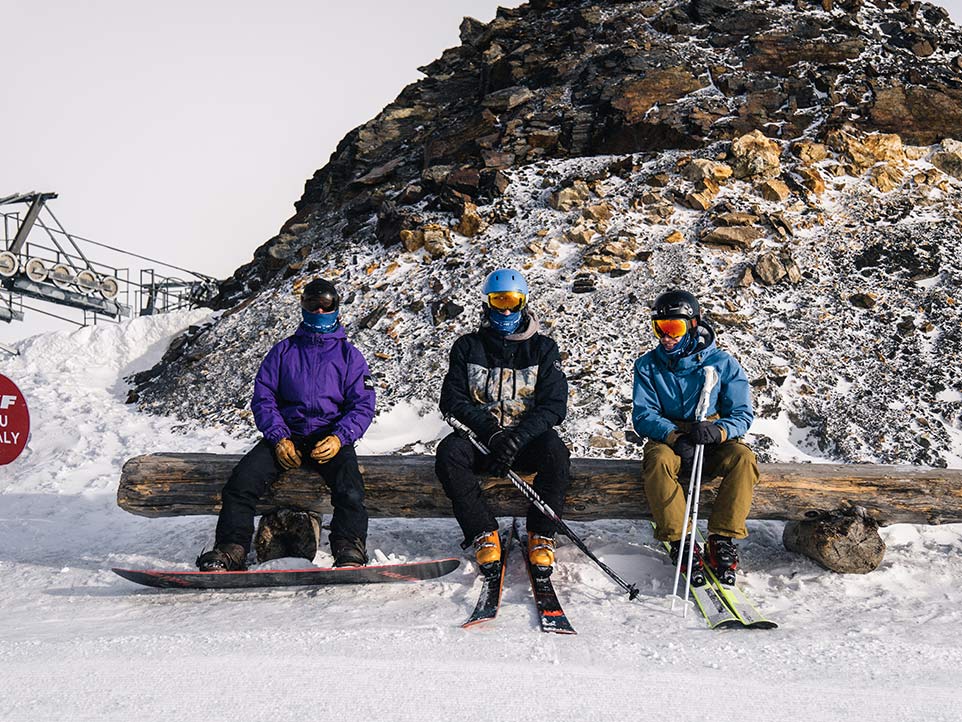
(666,390)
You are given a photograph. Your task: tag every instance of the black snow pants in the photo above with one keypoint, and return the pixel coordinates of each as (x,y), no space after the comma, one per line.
(259,469)
(457,463)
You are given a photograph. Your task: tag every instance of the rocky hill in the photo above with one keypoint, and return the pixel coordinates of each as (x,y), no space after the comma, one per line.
(792,164)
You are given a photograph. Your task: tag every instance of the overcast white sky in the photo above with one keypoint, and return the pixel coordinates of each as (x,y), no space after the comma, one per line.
(184,130)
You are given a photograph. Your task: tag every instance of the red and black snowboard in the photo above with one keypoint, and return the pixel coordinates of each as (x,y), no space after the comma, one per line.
(312,576)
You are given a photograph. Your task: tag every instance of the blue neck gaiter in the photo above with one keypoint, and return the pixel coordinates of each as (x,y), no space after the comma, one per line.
(505,325)
(320,322)
(683,347)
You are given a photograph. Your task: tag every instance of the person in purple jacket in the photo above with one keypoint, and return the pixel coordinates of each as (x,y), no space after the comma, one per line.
(313,398)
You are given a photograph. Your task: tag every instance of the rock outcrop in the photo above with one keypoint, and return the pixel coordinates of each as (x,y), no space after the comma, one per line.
(779,159)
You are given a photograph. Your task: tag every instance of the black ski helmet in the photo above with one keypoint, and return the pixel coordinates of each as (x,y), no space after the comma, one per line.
(320,294)
(676,304)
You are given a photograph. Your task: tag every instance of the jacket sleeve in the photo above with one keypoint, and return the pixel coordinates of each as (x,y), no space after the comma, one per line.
(267,415)
(550,396)
(646,413)
(735,401)
(455,400)
(359,398)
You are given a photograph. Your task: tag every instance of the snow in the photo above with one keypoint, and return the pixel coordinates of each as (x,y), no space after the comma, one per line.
(77,642)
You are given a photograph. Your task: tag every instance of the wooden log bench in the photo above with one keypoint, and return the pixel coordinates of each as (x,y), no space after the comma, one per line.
(164,484)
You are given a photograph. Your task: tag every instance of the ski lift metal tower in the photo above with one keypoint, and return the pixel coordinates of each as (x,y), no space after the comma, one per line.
(67,277)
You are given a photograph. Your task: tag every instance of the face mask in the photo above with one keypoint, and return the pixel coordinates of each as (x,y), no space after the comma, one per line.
(320,322)
(682,347)
(505,325)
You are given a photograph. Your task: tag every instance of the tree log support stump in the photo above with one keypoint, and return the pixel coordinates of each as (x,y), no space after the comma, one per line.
(844,540)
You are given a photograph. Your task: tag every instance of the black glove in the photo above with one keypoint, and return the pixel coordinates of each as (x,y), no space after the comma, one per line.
(503,447)
(685,448)
(705,432)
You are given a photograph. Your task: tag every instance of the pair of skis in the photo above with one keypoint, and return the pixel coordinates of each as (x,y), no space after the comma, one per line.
(725,606)
(551,616)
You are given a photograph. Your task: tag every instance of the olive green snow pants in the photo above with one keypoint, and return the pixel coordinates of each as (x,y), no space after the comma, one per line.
(731,460)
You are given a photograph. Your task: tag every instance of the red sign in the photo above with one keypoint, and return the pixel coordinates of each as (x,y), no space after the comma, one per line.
(14,421)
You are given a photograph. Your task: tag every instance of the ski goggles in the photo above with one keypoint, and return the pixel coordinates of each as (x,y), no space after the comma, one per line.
(674,327)
(507,300)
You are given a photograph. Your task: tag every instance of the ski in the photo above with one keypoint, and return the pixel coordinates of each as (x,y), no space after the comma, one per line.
(737,601)
(489,599)
(551,616)
(709,602)
(312,576)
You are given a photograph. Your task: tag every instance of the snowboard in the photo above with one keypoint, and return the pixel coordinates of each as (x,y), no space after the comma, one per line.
(313,576)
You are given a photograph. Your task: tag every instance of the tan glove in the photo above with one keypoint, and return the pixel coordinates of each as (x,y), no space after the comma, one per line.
(287,454)
(326,449)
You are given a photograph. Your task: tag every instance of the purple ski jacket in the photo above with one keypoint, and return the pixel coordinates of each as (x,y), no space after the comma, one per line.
(313,382)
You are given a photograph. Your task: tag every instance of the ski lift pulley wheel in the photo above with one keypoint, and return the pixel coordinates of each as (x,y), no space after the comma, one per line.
(36,270)
(87,282)
(9,264)
(61,276)
(109,288)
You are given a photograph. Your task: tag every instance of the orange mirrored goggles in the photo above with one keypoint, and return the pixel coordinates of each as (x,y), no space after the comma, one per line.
(674,327)
(507,300)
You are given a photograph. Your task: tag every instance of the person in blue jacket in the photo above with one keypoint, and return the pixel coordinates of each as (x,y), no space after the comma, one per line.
(668,382)
(313,398)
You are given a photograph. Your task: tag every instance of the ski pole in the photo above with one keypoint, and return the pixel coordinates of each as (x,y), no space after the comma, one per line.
(694,491)
(539,504)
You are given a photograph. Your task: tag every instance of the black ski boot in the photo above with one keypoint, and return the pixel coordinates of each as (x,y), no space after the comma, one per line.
(223,558)
(722,558)
(697,576)
(348,552)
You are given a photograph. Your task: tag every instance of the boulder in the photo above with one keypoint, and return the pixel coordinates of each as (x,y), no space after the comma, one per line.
(774,190)
(733,236)
(948,158)
(756,156)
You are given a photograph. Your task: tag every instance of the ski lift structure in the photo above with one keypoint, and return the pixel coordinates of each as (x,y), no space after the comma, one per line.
(58,271)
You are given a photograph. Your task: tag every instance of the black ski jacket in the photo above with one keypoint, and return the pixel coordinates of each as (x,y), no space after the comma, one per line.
(499,382)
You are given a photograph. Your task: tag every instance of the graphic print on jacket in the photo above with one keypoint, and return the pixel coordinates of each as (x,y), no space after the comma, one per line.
(504,392)
(515,381)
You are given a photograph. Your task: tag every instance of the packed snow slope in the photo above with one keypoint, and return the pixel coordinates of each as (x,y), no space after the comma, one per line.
(77,642)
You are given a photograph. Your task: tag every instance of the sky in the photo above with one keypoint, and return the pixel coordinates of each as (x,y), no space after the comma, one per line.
(184,130)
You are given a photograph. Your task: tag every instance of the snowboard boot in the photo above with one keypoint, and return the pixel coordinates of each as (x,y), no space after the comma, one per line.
(348,552)
(541,553)
(223,558)
(722,558)
(487,552)
(697,575)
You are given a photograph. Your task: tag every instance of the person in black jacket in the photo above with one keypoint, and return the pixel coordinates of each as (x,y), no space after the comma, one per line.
(505,383)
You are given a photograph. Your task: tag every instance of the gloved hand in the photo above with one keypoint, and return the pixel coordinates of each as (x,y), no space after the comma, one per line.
(705,432)
(287,454)
(326,449)
(503,447)
(685,448)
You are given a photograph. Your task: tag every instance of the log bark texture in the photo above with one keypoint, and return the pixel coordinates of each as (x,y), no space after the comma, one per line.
(845,541)
(287,533)
(405,486)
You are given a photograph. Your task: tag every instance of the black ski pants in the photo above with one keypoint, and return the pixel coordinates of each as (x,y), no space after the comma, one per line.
(457,463)
(259,468)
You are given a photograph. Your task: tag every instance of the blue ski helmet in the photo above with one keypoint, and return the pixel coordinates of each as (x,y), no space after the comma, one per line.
(505,290)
